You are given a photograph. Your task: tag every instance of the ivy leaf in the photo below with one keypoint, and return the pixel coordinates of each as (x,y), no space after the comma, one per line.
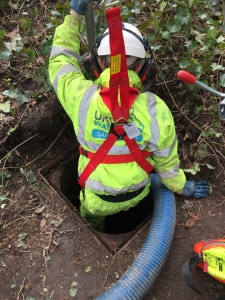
(73,289)
(162,6)
(220,39)
(22,237)
(46,46)
(2,34)
(173,28)
(5,54)
(31,178)
(215,67)
(212,32)
(25,24)
(166,35)
(194,170)
(12,129)
(15,6)
(18,95)
(3,201)
(55,13)
(182,17)
(222,80)
(15,44)
(210,167)
(88,269)
(21,244)
(5,107)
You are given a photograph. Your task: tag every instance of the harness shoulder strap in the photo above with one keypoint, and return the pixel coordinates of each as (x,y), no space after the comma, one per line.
(119,83)
(106,96)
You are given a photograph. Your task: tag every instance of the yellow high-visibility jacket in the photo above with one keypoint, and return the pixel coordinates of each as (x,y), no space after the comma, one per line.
(92,119)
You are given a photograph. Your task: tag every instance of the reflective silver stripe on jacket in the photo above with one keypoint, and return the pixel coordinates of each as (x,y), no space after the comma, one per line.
(56,51)
(169,174)
(97,186)
(166,151)
(62,71)
(154,128)
(82,116)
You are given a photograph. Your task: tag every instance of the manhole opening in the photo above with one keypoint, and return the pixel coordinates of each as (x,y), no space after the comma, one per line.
(62,175)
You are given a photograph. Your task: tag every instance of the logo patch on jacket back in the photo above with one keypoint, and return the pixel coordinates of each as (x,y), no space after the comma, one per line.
(103,123)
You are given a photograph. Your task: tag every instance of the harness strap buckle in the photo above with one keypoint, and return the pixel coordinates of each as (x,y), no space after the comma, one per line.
(106,4)
(114,129)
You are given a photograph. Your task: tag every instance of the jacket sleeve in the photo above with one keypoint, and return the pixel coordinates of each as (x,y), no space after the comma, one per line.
(165,157)
(64,70)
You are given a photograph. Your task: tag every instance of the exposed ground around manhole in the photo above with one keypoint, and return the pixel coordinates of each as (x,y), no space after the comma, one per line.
(47,252)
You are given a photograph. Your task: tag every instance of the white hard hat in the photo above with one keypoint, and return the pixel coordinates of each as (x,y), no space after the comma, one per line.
(133,41)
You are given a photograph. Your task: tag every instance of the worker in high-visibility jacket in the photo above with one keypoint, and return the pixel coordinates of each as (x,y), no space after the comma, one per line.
(114,187)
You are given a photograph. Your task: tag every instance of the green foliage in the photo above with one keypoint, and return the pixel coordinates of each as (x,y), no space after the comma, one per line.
(21,239)
(189,32)
(25,24)
(2,34)
(4,175)
(3,201)
(20,97)
(191,45)
(31,178)
(3,4)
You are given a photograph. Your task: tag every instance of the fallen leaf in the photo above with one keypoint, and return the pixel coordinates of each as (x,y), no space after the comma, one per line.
(14,33)
(188,204)
(188,136)
(39,210)
(88,269)
(195,218)
(73,289)
(43,223)
(5,107)
(17,153)
(190,223)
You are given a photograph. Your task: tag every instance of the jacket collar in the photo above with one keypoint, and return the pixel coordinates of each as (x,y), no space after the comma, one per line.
(134,79)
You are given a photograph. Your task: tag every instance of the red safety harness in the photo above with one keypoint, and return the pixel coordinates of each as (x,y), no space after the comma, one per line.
(119,85)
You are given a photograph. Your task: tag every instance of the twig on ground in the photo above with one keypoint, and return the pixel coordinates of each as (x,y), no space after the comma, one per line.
(22,218)
(20,119)
(11,151)
(107,272)
(21,288)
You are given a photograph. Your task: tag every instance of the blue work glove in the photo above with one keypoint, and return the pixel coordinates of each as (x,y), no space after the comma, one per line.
(80,6)
(196,189)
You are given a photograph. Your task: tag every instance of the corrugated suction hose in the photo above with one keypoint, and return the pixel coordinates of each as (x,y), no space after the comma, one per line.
(139,278)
